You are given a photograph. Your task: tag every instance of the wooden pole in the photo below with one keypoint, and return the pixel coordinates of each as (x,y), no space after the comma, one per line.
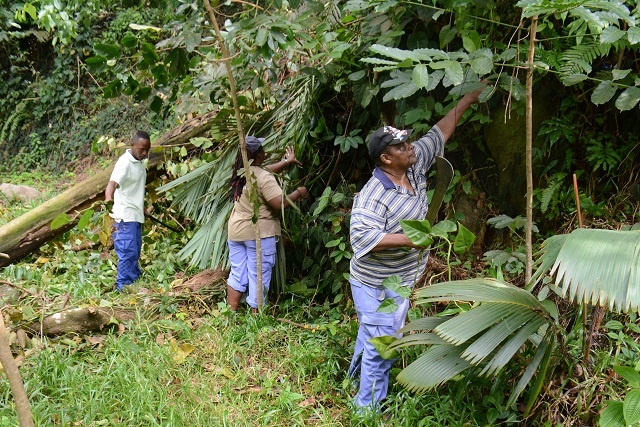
(577,196)
(250,186)
(23,408)
(529,150)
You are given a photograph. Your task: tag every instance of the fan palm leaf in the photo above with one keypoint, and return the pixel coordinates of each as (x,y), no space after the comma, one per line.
(434,367)
(502,321)
(595,266)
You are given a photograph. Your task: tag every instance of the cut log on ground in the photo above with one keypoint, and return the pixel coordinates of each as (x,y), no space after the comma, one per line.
(80,320)
(31,230)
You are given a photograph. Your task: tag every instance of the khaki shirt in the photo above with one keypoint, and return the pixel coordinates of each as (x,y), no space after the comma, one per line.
(241,228)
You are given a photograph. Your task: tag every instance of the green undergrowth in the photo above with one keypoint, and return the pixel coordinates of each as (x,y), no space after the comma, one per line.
(217,369)
(186,360)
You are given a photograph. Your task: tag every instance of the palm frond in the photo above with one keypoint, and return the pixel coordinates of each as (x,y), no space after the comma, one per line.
(424,323)
(541,356)
(434,367)
(486,344)
(486,336)
(417,339)
(203,193)
(511,346)
(478,289)
(595,266)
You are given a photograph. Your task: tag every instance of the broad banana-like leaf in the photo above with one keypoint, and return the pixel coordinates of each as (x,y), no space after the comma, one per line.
(595,266)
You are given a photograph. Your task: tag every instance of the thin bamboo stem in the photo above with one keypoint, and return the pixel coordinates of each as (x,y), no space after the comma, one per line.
(250,185)
(529,151)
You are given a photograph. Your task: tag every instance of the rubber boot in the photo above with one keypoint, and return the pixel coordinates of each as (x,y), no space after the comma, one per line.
(233,298)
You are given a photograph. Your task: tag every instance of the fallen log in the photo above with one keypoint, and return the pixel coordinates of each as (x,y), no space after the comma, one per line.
(80,321)
(31,230)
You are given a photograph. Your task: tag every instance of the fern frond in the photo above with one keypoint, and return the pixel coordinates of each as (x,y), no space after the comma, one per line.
(13,121)
(578,59)
(548,193)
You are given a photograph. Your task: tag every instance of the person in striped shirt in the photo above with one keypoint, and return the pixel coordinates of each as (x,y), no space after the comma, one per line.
(396,191)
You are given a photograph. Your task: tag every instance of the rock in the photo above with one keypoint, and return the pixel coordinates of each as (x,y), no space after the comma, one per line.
(22,193)
(9,295)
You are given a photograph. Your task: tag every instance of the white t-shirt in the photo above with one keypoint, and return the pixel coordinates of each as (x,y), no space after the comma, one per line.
(128,200)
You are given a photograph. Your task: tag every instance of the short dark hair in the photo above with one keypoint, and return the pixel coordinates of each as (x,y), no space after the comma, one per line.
(140,135)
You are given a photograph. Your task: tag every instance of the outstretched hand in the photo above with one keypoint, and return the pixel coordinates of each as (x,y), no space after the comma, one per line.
(473,97)
(290,156)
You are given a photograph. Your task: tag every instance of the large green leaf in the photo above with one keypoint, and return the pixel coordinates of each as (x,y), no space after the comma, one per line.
(596,266)
(383,346)
(452,70)
(391,52)
(611,34)
(109,51)
(464,240)
(633,35)
(631,407)
(420,76)
(629,374)
(419,232)
(604,92)
(628,99)
(612,416)
(434,367)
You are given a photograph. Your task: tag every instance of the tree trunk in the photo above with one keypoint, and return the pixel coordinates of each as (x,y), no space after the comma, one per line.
(31,230)
(529,151)
(80,321)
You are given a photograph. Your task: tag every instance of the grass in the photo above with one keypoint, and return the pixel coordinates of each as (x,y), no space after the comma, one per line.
(217,370)
(186,360)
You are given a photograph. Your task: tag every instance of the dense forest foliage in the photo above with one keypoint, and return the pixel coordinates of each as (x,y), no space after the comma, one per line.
(80,77)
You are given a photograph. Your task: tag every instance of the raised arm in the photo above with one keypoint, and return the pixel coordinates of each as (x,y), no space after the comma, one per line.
(289,159)
(449,122)
(277,203)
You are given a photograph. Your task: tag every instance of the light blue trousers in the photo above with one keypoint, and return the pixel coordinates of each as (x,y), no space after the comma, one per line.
(373,369)
(243,275)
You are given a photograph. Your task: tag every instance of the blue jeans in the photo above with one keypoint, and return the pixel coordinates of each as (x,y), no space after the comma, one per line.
(127,242)
(373,369)
(243,274)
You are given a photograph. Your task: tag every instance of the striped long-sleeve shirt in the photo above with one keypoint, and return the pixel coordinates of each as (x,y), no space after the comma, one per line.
(378,209)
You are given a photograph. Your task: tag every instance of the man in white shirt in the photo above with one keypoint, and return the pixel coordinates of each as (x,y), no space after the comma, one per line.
(126,191)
